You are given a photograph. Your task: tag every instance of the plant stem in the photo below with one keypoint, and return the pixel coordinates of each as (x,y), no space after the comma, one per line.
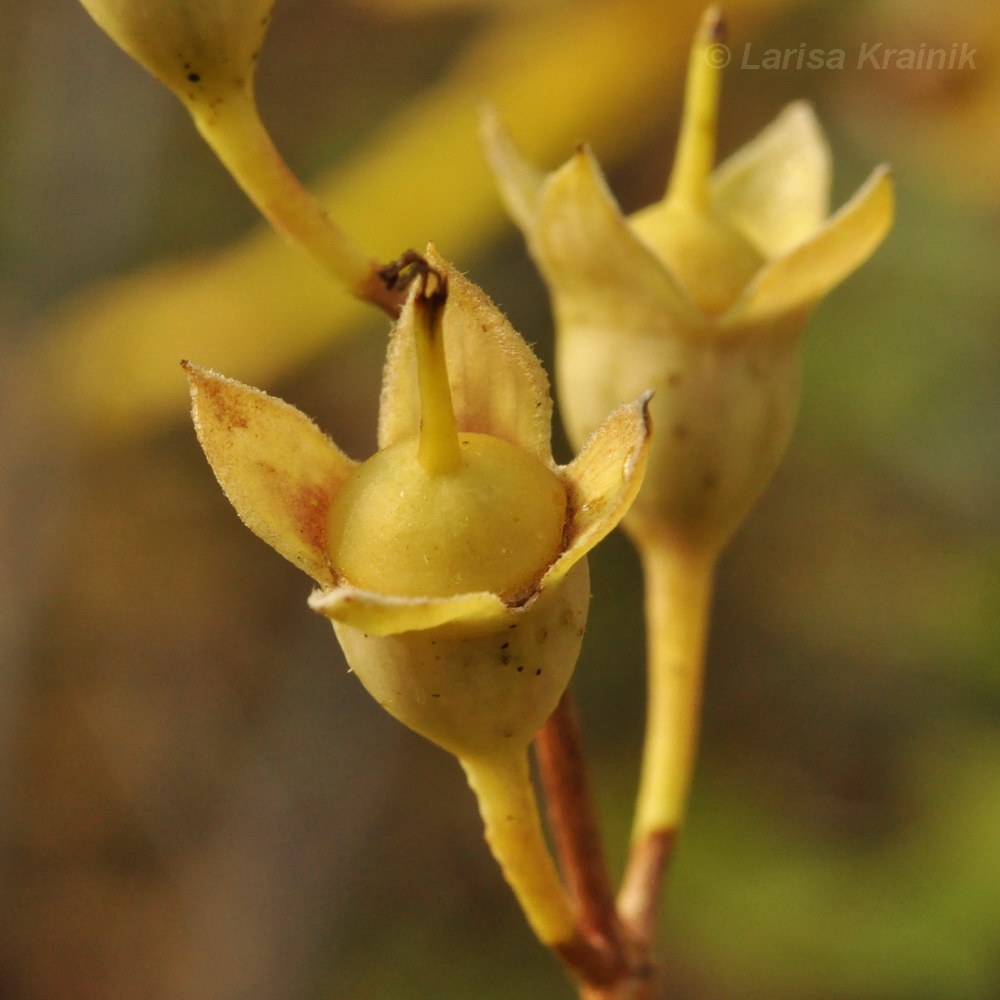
(559,751)
(233,129)
(678,594)
(509,810)
(632,988)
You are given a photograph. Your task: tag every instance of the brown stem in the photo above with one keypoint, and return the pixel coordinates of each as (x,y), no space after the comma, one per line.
(596,969)
(632,988)
(613,956)
(559,751)
(375,290)
(642,887)
(386,286)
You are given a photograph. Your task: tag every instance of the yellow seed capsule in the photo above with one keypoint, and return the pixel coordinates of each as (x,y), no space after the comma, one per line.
(494,524)
(439,513)
(203,50)
(452,562)
(708,257)
(477,688)
(701,297)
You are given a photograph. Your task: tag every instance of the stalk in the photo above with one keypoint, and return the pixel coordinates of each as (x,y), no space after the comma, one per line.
(509,810)
(678,595)
(563,770)
(233,129)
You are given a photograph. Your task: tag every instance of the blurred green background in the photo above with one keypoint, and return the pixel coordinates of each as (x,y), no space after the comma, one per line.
(199,802)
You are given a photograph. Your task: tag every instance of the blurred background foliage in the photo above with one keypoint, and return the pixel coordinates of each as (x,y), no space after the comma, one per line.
(198,802)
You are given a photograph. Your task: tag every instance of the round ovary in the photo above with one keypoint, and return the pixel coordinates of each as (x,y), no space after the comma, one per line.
(477,691)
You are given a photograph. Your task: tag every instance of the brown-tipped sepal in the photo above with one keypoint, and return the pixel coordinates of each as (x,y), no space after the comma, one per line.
(277,468)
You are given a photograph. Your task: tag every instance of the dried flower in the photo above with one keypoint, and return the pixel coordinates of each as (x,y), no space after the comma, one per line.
(701,296)
(453,562)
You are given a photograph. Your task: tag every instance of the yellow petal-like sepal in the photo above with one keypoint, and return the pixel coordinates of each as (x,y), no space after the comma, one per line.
(274,464)
(600,273)
(602,482)
(498,386)
(382,615)
(776,188)
(802,277)
(520,182)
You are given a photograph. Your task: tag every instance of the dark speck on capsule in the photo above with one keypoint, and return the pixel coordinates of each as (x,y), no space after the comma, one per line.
(194,77)
(538,671)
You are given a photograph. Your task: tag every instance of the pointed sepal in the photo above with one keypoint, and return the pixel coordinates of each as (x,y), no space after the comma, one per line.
(498,386)
(800,279)
(276,467)
(382,615)
(776,188)
(602,482)
(600,272)
(520,182)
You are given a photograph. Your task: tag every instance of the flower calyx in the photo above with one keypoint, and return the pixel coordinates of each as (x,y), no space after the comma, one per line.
(455,513)
(452,562)
(702,296)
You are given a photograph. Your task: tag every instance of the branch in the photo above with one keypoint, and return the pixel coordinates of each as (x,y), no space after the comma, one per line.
(574,827)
